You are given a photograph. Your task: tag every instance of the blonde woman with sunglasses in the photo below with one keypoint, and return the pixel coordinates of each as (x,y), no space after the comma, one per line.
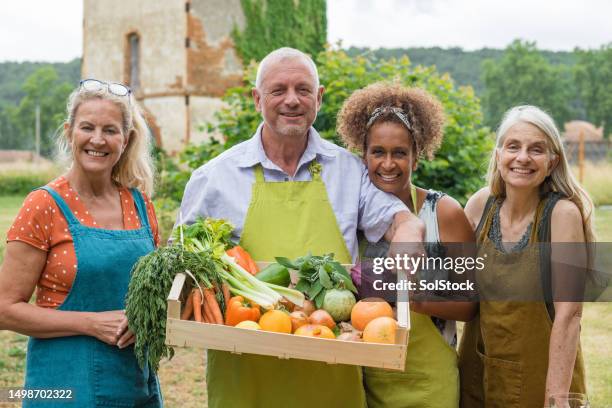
(72,245)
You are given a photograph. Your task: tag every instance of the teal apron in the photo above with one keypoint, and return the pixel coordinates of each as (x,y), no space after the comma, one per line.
(286,219)
(97,374)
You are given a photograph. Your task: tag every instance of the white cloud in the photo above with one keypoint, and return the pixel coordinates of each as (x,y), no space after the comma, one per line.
(51,30)
(41,30)
(471,24)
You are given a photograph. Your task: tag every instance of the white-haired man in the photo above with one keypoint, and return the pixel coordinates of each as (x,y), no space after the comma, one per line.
(289,192)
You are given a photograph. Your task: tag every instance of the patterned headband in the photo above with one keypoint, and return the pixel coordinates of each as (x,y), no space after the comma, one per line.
(399,112)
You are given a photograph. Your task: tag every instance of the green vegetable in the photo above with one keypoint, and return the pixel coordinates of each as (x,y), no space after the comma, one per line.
(339,303)
(318,275)
(265,294)
(275,273)
(294,296)
(146,306)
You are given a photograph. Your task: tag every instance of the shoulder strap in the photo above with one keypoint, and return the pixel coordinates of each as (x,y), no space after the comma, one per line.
(141,207)
(485,215)
(429,215)
(70,218)
(259,176)
(544,235)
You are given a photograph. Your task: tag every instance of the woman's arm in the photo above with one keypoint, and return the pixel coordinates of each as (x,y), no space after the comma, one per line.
(19,273)
(566,228)
(454,228)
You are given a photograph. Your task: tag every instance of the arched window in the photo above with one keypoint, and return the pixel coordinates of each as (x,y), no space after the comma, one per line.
(134,60)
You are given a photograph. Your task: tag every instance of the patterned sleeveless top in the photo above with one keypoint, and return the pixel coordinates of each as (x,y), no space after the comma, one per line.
(434,248)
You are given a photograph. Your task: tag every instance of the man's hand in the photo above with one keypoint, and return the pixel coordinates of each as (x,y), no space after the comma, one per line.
(406,227)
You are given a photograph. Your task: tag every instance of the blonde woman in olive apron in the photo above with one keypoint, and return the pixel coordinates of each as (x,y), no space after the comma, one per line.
(528,349)
(393,126)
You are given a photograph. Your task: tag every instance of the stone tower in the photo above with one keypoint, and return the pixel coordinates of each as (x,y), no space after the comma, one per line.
(176,55)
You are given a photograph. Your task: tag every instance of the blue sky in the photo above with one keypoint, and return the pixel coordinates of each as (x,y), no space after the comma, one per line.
(50,30)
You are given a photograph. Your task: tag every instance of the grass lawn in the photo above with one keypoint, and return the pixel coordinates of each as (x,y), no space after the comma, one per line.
(182,378)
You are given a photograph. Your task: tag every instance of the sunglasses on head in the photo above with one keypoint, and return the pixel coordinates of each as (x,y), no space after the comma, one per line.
(91,84)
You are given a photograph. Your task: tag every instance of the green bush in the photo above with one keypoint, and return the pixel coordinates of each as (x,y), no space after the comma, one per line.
(22,182)
(460,163)
(165,210)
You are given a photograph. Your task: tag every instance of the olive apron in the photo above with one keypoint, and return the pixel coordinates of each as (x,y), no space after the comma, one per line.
(470,366)
(286,219)
(515,335)
(430,379)
(97,374)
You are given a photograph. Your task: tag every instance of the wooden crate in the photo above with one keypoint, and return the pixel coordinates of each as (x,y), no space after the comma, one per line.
(186,333)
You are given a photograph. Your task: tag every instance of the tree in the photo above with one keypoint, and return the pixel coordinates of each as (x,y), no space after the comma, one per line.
(460,164)
(271,24)
(593,75)
(523,76)
(42,88)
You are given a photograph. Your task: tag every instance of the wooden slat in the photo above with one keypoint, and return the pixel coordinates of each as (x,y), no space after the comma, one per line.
(174,303)
(184,333)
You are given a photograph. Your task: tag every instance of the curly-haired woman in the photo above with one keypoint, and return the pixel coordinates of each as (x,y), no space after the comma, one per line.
(393,127)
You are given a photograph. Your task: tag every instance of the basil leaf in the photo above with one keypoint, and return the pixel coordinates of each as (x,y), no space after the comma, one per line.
(319,299)
(303,286)
(315,290)
(340,269)
(285,262)
(324,278)
(348,283)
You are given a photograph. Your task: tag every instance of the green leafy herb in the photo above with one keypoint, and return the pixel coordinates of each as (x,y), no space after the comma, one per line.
(318,274)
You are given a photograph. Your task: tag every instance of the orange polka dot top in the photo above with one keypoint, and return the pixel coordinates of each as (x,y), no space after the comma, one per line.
(40,223)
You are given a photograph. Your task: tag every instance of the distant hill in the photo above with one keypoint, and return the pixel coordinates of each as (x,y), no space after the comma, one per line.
(463,66)
(13,74)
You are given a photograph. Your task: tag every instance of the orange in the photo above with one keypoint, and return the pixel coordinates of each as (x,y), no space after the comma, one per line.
(275,321)
(367,310)
(380,330)
(315,330)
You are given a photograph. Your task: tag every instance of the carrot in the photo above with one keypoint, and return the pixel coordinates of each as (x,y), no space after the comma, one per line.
(197,305)
(207,314)
(226,292)
(243,259)
(204,313)
(188,308)
(213,305)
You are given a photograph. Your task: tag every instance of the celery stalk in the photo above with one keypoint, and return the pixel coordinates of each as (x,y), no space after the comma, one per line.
(249,293)
(294,296)
(257,285)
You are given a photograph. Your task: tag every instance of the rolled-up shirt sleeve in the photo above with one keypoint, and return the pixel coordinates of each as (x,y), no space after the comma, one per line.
(376,209)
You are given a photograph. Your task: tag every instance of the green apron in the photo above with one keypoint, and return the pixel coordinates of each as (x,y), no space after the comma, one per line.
(515,335)
(286,219)
(431,377)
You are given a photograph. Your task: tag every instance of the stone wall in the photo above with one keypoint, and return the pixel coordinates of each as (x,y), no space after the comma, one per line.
(185,49)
